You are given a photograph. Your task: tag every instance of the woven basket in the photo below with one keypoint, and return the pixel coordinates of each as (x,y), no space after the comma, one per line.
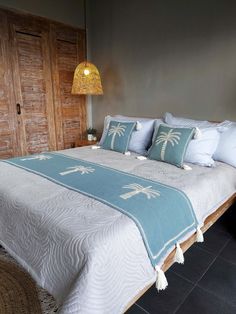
(18,293)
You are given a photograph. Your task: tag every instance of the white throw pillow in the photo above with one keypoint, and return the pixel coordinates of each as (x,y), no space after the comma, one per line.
(200,151)
(226,149)
(170,119)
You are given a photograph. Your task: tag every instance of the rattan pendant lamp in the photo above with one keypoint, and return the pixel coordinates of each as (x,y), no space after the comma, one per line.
(87,79)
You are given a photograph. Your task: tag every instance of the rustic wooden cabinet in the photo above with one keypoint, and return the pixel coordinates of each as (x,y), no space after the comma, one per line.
(67,50)
(37,111)
(8,125)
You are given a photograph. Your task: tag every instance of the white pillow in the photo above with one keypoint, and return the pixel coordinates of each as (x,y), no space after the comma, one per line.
(132,118)
(140,139)
(200,151)
(226,149)
(170,119)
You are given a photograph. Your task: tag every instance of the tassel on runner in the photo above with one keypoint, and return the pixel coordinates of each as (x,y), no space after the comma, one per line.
(179,255)
(161,281)
(199,235)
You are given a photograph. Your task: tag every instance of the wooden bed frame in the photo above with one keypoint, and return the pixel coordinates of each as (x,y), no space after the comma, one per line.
(209,221)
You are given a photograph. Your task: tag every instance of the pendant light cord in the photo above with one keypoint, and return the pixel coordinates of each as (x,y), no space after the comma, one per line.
(85,26)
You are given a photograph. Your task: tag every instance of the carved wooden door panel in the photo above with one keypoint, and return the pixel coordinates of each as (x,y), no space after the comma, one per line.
(31,70)
(8,126)
(37,61)
(67,51)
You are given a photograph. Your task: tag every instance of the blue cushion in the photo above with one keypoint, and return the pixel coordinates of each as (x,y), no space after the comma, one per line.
(170,144)
(140,139)
(226,149)
(107,120)
(118,136)
(200,150)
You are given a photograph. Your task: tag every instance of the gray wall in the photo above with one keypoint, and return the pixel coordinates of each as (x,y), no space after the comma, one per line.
(66,11)
(157,56)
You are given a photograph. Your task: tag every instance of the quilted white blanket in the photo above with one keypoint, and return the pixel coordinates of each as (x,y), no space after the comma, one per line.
(90,257)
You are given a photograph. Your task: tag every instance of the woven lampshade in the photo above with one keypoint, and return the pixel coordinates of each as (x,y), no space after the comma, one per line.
(87,80)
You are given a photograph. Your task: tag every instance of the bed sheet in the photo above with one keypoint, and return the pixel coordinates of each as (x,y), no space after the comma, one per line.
(90,257)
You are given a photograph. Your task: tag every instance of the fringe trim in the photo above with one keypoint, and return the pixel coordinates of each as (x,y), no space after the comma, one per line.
(161,281)
(179,255)
(199,235)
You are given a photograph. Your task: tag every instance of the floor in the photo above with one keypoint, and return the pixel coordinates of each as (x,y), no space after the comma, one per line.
(206,283)
(48,303)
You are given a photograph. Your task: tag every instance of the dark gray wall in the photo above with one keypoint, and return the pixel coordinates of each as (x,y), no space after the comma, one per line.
(157,56)
(66,11)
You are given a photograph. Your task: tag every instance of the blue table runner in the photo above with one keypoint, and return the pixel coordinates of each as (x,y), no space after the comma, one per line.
(162,213)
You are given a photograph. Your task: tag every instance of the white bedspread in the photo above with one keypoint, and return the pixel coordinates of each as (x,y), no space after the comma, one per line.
(90,257)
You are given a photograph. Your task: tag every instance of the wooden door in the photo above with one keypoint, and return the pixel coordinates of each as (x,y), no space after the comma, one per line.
(67,51)
(8,126)
(31,70)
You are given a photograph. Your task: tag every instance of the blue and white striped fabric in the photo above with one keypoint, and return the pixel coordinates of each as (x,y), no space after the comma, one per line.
(163,214)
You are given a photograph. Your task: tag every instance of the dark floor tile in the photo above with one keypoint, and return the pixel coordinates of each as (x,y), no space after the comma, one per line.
(200,301)
(220,279)
(226,222)
(214,240)
(196,263)
(136,310)
(221,226)
(168,300)
(229,252)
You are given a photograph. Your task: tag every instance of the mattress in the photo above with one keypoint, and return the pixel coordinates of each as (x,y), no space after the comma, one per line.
(89,256)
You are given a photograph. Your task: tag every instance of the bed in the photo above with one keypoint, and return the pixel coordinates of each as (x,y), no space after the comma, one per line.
(90,257)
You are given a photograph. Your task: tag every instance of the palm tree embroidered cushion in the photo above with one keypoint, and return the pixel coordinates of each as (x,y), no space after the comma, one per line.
(200,150)
(170,144)
(118,136)
(141,138)
(203,145)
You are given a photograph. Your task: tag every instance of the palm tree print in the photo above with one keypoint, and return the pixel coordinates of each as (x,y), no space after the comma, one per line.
(119,130)
(37,157)
(137,189)
(81,169)
(164,138)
